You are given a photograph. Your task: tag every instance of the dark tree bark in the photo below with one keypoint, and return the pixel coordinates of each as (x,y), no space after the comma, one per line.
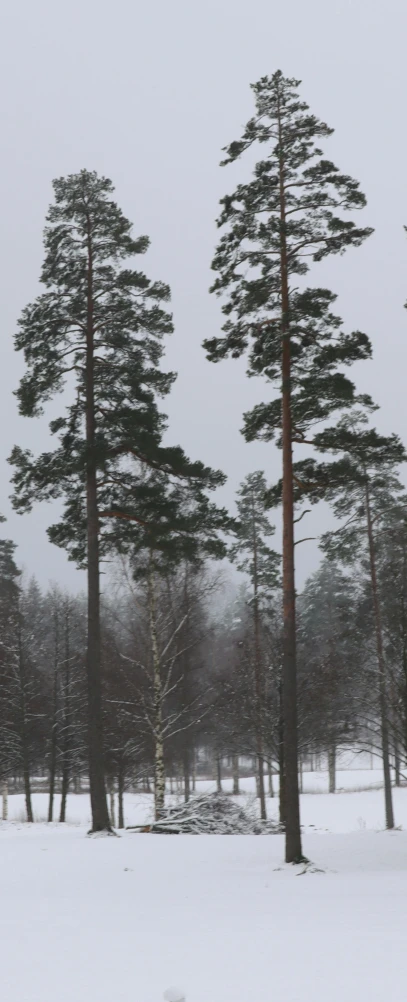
(293,850)
(66,739)
(64,786)
(397,764)
(120,790)
(54,732)
(27,781)
(100,813)
(52,770)
(258,683)
(23,723)
(281,764)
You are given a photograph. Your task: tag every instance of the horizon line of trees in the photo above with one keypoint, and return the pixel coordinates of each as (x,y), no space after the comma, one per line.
(207,722)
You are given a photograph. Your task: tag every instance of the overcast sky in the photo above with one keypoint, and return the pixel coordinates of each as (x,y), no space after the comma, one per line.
(147,94)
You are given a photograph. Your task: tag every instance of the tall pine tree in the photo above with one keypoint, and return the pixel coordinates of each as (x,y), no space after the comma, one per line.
(98,329)
(288,215)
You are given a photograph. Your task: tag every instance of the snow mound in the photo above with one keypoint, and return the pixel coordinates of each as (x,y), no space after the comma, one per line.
(174,995)
(212,814)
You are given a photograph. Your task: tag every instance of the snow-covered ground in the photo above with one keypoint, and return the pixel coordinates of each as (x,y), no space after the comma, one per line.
(122,919)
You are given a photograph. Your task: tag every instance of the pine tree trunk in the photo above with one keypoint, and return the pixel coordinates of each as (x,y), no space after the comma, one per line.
(258,681)
(381,663)
(235,767)
(52,772)
(66,739)
(293,851)
(4,791)
(64,788)
(159,771)
(100,814)
(281,759)
(120,790)
(27,784)
(404,638)
(397,764)
(332,768)
(23,724)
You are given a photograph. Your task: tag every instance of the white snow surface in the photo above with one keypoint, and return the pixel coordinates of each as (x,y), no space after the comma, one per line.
(120,919)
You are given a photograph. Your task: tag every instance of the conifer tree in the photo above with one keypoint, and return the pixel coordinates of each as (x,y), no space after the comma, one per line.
(366,494)
(329,650)
(391,552)
(254,557)
(97,329)
(289,215)
(10,748)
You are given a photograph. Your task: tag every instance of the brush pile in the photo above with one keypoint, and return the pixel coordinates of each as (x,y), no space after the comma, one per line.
(211,814)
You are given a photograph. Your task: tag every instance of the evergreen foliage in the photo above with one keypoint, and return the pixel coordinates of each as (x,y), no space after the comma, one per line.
(250,551)
(291,213)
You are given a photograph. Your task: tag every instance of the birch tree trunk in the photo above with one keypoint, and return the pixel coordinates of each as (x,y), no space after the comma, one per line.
(112,808)
(332,768)
(120,786)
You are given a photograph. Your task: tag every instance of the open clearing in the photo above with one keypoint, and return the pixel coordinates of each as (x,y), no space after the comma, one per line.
(121,919)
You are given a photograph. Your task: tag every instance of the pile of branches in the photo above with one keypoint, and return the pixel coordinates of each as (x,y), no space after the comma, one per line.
(210,814)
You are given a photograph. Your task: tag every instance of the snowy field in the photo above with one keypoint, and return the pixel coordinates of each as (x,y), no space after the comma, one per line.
(122,919)
(340,812)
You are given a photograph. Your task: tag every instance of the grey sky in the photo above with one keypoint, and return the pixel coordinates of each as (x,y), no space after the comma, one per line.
(148,94)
